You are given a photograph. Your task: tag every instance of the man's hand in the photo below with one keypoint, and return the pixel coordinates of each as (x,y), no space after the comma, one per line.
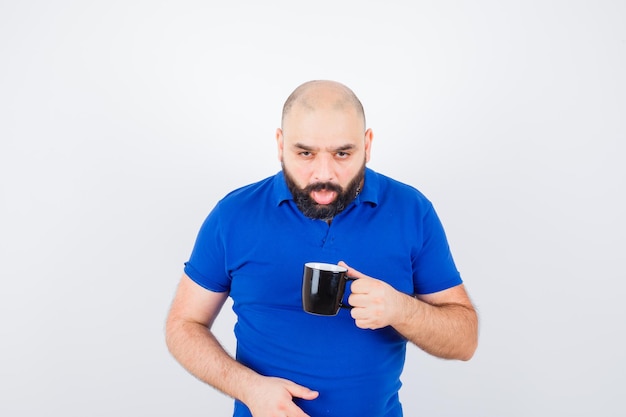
(374,303)
(273,397)
(443,323)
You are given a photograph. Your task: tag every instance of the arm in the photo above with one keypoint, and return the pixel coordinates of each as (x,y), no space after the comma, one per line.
(443,324)
(191,342)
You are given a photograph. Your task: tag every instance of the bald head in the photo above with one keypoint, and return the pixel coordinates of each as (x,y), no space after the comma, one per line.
(322,94)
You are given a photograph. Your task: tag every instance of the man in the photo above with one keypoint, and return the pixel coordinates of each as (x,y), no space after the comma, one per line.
(324,206)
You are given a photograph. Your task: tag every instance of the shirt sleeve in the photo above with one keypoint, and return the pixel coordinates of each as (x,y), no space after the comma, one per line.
(206,265)
(434,268)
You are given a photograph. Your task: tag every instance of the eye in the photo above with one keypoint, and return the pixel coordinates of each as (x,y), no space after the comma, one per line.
(342,155)
(305,154)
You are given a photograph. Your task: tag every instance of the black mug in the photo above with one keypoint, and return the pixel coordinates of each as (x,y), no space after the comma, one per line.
(323,287)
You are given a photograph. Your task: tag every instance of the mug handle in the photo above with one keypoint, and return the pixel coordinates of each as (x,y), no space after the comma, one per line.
(347,306)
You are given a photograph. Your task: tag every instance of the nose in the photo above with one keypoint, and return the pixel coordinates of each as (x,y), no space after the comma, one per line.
(323,171)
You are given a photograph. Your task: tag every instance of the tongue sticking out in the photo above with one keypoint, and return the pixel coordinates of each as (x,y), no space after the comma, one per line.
(324,196)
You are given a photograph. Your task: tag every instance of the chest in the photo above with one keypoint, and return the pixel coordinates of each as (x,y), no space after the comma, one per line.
(266,259)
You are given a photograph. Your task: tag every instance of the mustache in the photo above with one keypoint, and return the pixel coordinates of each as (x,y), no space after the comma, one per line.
(319,186)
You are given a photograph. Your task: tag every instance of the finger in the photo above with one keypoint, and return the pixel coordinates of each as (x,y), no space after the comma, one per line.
(352,273)
(358,300)
(361,319)
(298,391)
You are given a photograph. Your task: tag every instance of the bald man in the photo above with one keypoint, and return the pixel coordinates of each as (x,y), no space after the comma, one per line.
(325,205)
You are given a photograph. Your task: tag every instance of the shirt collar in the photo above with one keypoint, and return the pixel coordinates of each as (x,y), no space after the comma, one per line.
(369,193)
(281,191)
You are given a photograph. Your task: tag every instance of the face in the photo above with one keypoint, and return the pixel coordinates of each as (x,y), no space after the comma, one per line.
(323,152)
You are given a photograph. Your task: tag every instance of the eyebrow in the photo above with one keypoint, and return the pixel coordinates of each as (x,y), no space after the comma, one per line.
(341,148)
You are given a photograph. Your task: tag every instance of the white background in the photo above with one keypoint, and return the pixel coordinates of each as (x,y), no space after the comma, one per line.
(123,122)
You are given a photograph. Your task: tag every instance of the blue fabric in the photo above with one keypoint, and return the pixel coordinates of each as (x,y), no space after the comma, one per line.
(255,243)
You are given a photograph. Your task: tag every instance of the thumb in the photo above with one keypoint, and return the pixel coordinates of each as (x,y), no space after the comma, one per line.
(353,273)
(298,391)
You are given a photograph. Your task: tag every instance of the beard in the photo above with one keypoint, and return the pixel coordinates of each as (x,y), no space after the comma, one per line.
(312,209)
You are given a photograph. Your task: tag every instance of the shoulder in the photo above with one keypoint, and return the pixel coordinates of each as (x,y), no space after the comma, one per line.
(262,186)
(393,191)
(248,198)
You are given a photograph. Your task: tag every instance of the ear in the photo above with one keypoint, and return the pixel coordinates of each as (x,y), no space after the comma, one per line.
(369,137)
(280,143)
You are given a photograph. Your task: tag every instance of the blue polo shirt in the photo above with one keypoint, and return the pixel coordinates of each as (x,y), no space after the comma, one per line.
(254,245)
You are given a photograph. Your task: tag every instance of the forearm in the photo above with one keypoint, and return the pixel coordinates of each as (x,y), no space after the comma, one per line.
(195,347)
(447,330)
(191,342)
